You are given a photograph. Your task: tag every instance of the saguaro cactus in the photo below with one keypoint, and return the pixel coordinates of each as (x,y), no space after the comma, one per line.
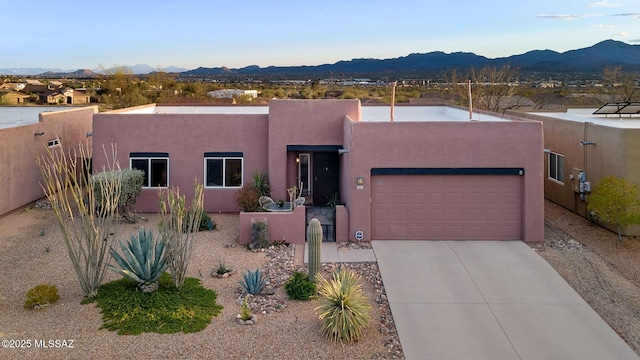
(314,238)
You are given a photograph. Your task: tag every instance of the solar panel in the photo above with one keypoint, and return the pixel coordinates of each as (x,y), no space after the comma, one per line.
(618,108)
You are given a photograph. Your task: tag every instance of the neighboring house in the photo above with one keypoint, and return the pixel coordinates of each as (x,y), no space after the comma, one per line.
(583,148)
(13,97)
(430,174)
(232,93)
(53,97)
(13,86)
(77,97)
(25,133)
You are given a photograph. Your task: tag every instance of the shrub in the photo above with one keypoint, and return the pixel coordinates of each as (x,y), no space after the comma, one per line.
(245,313)
(261,183)
(132,180)
(176,225)
(205,223)
(143,260)
(247,198)
(86,224)
(344,309)
(223,269)
(41,295)
(617,201)
(299,287)
(253,282)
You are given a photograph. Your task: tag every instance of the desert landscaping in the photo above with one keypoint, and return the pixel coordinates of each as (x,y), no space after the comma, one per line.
(32,252)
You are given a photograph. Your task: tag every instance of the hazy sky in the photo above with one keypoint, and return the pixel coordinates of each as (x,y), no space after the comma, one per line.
(210,33)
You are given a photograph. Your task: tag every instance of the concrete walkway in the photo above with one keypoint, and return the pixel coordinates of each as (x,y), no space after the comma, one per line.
(488,300)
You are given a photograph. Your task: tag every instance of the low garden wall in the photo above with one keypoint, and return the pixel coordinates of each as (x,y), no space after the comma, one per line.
(288,226)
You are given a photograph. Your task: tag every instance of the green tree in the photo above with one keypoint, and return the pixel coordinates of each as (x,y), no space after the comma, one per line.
(617,201)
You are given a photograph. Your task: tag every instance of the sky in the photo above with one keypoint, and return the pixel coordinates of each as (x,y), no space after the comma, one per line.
(211,33)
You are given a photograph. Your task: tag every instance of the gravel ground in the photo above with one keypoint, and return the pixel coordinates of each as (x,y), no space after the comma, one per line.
(285,329)
(603,271)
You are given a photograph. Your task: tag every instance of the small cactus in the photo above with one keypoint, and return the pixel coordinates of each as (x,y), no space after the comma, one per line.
(314,238)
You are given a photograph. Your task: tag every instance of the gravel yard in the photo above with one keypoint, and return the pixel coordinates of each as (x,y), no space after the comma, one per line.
(32,252)
(604,273)
(285,329)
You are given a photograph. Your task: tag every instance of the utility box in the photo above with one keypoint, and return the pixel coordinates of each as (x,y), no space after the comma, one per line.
(575,178)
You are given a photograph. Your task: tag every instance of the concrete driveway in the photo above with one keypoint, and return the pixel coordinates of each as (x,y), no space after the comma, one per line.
(488,300)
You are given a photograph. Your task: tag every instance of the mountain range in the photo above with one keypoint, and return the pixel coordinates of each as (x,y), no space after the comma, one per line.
(595,58)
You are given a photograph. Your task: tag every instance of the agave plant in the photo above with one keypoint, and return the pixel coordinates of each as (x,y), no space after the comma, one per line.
(253,282)
(344,308)
(143,260)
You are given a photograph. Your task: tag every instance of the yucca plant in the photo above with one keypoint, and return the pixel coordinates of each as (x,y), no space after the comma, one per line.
(344,308)
(143,260)
(253,282)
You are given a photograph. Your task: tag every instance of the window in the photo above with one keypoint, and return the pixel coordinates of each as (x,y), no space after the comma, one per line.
(155,167)
(556,167)
(53,143)
(223,170)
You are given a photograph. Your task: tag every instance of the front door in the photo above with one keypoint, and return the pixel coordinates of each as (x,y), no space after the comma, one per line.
(326,177)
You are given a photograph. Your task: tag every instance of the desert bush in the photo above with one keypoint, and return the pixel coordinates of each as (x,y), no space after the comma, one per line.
(89,230)
(616,201)
(177,224)
(205,223)
(131,188)
(41,295)
(143,261)
(299,287)
(247,199)
(261,183)
(253,282)
(344,309)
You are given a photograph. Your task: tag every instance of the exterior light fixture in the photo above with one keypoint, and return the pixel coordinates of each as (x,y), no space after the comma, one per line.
(359,180)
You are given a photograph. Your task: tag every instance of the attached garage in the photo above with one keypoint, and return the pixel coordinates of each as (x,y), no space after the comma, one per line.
(447,204)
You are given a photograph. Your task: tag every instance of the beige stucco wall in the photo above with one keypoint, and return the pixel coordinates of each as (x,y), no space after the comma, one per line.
(20,178)
(186,137)
(616,152)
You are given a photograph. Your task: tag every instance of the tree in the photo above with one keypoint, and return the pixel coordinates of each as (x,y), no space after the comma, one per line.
(492,87)
(616,201)
(621,87)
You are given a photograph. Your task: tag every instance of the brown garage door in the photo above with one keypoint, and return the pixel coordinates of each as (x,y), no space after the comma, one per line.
(446,207)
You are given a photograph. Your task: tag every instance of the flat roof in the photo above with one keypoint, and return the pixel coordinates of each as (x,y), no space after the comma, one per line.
(375,113)
(587,115)
(11,116)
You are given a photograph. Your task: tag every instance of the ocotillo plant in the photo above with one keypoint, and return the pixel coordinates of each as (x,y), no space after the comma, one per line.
(314,238)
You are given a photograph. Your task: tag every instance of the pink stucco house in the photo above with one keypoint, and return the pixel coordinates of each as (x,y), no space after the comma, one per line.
(431,174)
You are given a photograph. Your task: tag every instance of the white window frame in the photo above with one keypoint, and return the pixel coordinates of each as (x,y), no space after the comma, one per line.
(224,170)
(149,177)
(559,168)
(53,142)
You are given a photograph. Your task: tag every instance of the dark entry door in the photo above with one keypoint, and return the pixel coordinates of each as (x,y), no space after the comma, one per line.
(326,177)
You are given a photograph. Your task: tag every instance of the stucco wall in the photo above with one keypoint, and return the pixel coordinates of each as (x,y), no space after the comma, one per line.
(616,152)
(186,137)
(20,178)
(446,145)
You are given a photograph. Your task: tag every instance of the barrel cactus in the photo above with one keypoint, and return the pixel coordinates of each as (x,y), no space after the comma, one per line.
(314,239)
